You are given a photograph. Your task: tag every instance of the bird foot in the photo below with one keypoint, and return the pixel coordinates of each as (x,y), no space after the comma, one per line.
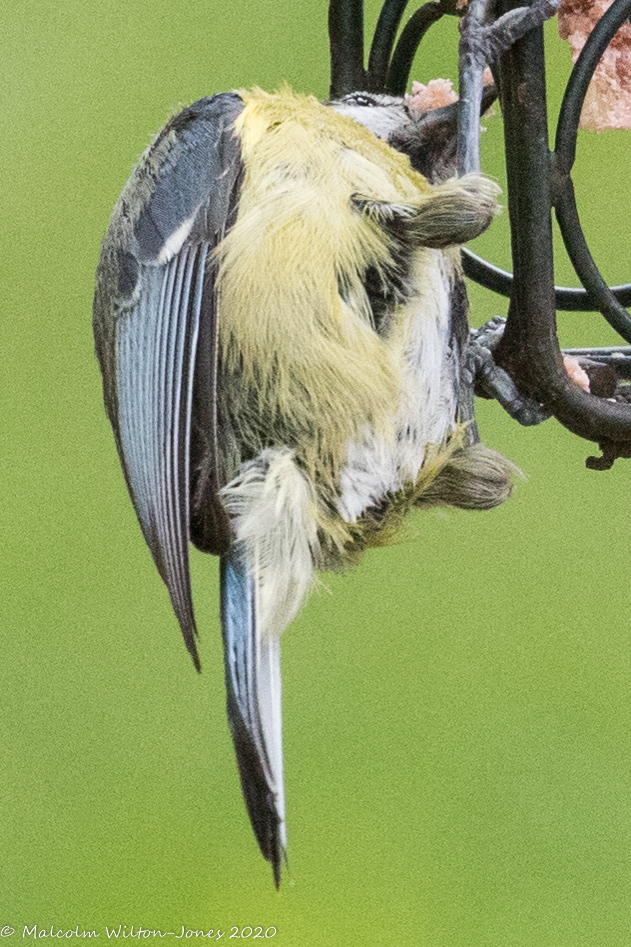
(491,381)
(500,36)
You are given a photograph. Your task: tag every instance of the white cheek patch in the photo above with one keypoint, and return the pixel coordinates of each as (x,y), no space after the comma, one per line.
(381,120)
(175,242)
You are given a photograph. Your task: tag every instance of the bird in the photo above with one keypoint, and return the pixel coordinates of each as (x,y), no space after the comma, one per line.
(281,322)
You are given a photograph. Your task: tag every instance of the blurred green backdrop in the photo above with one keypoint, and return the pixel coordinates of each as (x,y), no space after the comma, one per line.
(457,712)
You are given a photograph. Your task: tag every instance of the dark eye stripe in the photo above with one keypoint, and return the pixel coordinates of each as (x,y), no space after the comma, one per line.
(361,100)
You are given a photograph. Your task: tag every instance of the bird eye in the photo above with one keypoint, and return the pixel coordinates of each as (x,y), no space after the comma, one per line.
(361,100)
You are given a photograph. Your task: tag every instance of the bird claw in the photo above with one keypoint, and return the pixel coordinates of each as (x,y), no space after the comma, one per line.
(511,26)
(489,334)
(494,382)
(485,42)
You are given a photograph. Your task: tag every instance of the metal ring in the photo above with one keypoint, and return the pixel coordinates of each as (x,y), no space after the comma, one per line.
(383,42)
(584,68)
(565,154)
(409,41)
(346,39)
(610,301)
(567,299)
(582,261)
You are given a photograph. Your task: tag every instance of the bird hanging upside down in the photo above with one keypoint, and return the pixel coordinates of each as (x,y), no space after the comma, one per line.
(281,323)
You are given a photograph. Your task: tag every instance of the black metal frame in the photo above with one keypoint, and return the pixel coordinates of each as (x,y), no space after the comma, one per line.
(538,181)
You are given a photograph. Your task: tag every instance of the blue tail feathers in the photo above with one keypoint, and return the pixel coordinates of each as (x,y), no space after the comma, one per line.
(252,666)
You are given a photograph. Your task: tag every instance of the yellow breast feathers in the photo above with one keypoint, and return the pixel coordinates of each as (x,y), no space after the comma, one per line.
(294,317)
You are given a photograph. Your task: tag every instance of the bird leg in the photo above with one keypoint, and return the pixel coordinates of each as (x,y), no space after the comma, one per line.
(511,26)
(491,381)
(482,41)
(604,371)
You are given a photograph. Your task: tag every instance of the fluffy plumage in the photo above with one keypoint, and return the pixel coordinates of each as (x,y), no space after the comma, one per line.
(273,509)
(281,322)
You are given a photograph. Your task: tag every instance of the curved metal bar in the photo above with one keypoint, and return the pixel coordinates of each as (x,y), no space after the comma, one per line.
(383,43)
(346,38)
(565,154)
(616,359)
(603,351)
(588,273)
(409,41)
(591,54)
(566,298)
(529,349)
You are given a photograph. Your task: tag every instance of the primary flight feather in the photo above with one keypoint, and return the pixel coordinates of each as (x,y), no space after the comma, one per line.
(281,323)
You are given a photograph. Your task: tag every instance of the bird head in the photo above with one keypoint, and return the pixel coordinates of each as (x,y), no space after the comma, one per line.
(427,136)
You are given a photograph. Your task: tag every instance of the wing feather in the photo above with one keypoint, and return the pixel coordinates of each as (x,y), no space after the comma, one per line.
(156,349)
(155,288)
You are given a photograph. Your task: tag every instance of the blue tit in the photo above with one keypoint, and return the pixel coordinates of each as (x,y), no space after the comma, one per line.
(281,323)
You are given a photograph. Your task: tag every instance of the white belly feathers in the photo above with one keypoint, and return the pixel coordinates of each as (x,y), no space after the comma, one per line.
(421,331)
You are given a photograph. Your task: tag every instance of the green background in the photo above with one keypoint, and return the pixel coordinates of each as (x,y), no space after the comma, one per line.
(457,711)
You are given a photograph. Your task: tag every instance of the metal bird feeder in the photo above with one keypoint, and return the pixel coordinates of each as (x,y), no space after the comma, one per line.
(539,180)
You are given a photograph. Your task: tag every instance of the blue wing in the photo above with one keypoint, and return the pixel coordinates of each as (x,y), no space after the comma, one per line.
(155,325)
(155,330)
